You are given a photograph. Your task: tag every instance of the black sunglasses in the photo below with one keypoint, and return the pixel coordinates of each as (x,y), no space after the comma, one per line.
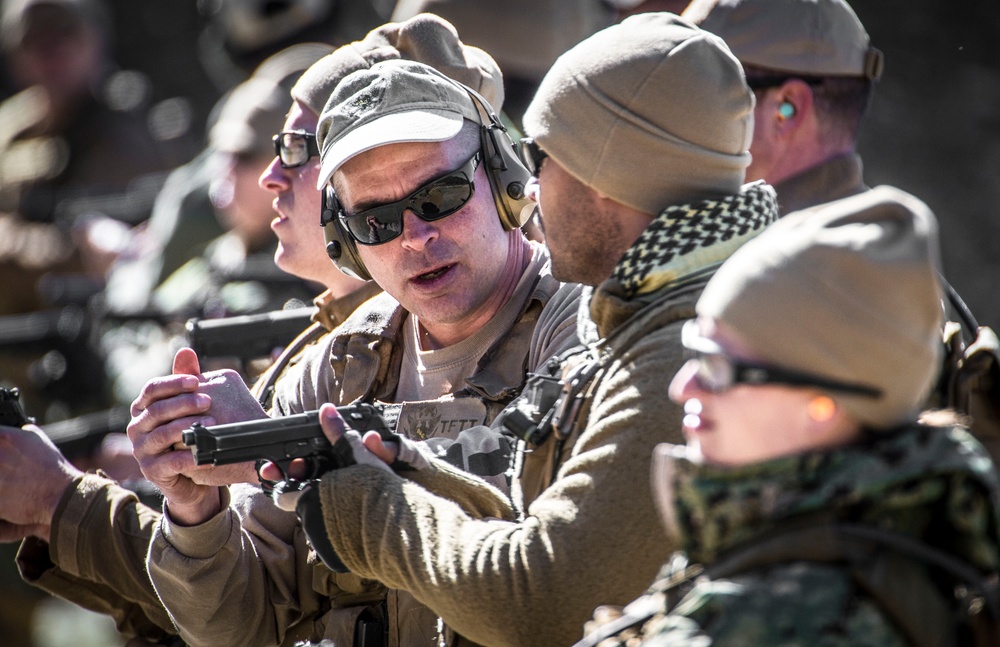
(718,372)
(532,155)
(442,196)
(294,148)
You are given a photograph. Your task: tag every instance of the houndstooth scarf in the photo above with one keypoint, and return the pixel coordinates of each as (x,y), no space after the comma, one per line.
(685,239)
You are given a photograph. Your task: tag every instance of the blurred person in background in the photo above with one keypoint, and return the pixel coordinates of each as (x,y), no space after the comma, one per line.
(184,220)
(69,151)
(79,166)
(236,274)
(240,273)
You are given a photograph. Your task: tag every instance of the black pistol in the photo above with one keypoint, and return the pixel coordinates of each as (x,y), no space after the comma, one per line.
(282,439)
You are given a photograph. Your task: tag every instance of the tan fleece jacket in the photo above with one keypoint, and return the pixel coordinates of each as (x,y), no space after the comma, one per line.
(592,537)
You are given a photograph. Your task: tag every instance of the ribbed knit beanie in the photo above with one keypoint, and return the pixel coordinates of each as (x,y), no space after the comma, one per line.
(650,112)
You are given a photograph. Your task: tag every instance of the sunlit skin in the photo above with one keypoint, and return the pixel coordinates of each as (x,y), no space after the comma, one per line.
(301,246)
(751,424)
(586,232)
(784,146)
(454,274)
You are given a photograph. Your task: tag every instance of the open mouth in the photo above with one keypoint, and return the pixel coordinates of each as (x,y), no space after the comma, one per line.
(433,274)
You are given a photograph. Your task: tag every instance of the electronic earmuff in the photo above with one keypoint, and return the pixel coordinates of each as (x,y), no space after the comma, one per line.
(786,110)
(340,247)
(507,175)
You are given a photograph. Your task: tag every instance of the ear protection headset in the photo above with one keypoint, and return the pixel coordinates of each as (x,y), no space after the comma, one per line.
(507,175)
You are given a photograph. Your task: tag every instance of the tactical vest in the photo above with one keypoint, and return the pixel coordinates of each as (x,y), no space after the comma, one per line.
(368,348)
(555,405)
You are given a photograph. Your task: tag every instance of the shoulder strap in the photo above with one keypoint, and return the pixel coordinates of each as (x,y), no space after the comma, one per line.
(650,317)
(968,320)
(969,382)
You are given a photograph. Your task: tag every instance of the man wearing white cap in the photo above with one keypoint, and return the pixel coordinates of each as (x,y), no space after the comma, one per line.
(431,209)
(99,533)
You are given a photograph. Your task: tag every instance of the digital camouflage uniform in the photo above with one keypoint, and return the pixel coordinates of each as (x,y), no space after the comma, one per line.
(930,483)
(588,530)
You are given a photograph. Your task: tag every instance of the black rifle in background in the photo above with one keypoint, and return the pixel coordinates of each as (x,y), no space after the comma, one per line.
(80,436)
(247,337)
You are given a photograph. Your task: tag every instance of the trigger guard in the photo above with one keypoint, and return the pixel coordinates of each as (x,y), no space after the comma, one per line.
(316,466)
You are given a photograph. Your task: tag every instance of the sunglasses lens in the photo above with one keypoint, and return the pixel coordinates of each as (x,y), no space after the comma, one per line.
(433,201)
(375,226)
(715,374)
(294,150)
(442,197)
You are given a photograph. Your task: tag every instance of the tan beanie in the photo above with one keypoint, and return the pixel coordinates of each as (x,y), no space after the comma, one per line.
(650,112)
(424,38)
(809,37)
(847,290)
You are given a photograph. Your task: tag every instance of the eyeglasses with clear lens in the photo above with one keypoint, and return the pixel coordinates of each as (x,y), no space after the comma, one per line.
(436,199)
(718,372)
(295,148)
(532,155)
